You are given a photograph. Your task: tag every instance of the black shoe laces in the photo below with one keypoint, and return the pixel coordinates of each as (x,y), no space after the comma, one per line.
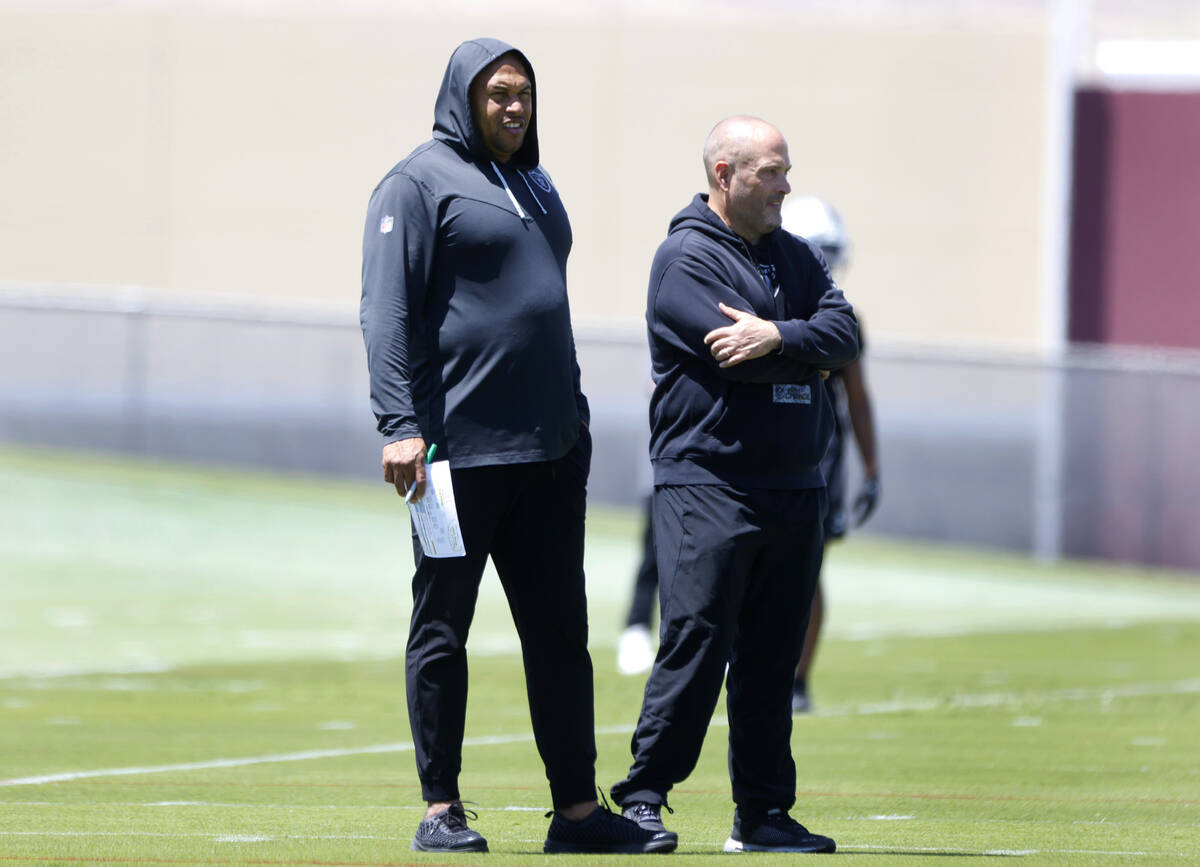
(456,817)
(642,809)
(782,819)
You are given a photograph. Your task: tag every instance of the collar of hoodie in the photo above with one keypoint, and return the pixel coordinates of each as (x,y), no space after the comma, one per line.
(522,175)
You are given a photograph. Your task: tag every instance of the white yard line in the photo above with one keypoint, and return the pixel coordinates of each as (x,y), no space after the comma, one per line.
(39,672)
(1011,699)
(292,807)
(225,837)
(215,805)
(307,755)
(689,845)
(932,850)
(304,756)
(980,700)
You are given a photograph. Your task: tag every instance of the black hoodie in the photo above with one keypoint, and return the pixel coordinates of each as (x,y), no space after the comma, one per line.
(764,423)
(464,296)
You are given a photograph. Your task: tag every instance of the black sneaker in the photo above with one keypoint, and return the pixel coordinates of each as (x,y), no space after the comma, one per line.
(648,817)
(773,831)
(604,831)
(448,832)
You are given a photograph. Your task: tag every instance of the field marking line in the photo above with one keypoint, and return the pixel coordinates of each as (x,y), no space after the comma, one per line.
(933,796)
(968,700)
(800,793)
(55,672)
(1000,699)
(306,755)
(58,805)
(1017,853)
(216,805)
(223,837)
(701,847)
(303,756)
(847,849)
(97,859)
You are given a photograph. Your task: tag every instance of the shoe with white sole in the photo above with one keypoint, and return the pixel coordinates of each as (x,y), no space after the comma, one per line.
(773,831)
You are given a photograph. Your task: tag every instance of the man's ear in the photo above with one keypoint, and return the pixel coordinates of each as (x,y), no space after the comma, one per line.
(722,171)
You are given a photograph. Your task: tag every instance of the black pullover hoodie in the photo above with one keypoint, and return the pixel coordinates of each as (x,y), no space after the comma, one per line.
(464,293)
(764,423)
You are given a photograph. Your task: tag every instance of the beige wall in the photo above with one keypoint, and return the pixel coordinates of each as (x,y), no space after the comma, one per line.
(221,150)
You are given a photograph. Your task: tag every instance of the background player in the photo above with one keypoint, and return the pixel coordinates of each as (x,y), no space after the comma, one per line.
(817,220)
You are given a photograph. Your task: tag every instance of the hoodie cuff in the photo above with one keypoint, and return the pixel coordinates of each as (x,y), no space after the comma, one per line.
(790,335)
(402,432)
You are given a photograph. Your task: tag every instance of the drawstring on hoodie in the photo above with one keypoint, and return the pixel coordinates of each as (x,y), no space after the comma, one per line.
(525,178)
(520,213)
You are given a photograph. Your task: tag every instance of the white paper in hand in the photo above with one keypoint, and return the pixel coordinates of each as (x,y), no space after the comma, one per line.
(435,516)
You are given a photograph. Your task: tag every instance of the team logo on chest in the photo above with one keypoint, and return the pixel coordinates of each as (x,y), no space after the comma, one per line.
(540,178)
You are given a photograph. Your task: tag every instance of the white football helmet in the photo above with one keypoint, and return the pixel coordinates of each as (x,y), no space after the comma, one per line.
(818,221)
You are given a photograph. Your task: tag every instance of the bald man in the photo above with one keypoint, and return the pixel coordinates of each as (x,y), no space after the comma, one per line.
(742,319)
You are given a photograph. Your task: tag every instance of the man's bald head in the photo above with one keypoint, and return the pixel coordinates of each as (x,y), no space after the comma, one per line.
(746,160)
(733,140)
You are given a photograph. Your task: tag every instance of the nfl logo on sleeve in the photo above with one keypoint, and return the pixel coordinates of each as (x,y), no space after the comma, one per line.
(385,224)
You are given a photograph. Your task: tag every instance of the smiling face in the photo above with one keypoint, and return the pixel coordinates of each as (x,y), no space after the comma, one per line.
(747,164)
(502,106)
(757,185)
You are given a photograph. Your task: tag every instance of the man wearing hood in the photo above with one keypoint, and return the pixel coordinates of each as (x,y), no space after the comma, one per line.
(469,346)
(743,318)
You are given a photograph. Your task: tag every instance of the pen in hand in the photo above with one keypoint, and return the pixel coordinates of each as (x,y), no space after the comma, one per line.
(428,460)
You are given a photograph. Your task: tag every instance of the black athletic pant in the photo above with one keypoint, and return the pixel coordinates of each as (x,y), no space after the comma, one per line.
(737,571)
(529,518)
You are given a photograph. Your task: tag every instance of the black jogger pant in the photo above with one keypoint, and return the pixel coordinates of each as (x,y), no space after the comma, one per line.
(737,570)
(530,519)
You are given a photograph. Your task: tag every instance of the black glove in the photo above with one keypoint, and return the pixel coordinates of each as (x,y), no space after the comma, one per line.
(866,501)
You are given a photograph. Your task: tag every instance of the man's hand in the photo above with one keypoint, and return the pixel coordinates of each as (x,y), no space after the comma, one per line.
(748,337)
(866,501)
(404,466)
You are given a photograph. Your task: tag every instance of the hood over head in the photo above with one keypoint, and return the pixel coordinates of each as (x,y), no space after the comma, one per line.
(452,119)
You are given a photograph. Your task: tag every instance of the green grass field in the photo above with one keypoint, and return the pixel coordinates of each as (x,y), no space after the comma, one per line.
(203,667)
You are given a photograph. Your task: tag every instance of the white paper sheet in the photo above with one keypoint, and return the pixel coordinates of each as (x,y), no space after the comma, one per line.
(435,516)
